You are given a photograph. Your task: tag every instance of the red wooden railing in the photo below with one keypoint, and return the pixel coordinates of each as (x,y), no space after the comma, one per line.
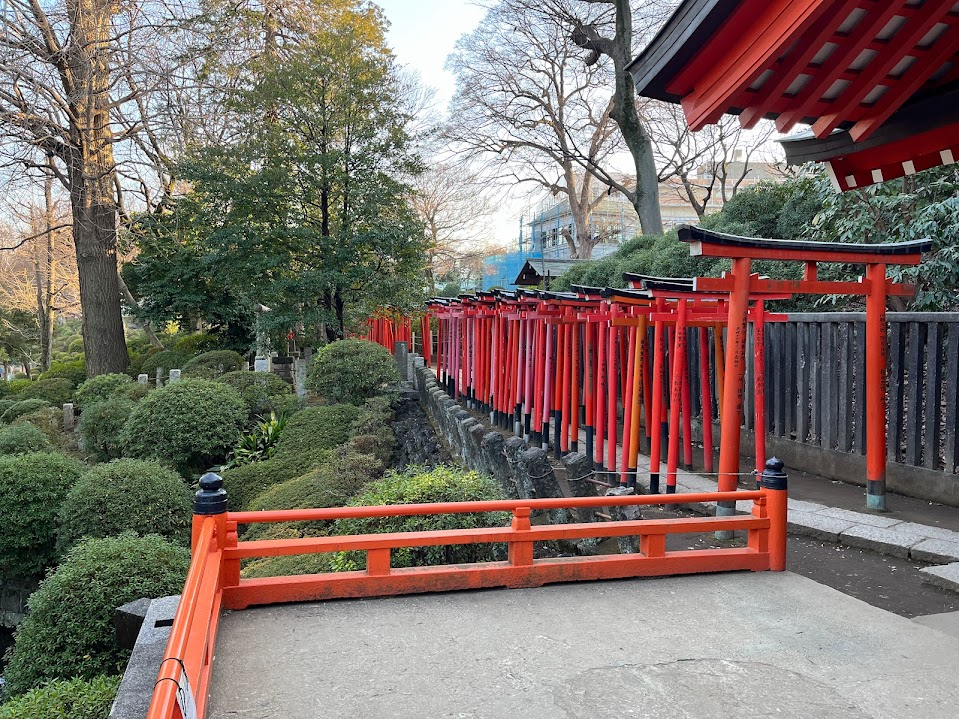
(214,579)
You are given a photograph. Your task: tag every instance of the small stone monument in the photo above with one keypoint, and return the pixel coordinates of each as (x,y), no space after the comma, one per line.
(69,418)
(174,375)
(299,377)
(159,382)
(143,379)
(261,364)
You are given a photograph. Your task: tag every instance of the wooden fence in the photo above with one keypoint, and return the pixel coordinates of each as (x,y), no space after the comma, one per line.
(815,366)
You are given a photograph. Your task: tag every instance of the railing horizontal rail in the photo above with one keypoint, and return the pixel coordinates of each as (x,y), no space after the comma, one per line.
(405,510)
(214,581)
(537,533)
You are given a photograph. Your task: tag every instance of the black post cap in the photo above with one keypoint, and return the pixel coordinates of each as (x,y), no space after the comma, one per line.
(211,497)
(773,476)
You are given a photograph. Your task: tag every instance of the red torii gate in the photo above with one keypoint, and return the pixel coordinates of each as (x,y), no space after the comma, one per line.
(740,283)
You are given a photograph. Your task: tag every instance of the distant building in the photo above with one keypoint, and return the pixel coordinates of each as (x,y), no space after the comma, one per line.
(543,228)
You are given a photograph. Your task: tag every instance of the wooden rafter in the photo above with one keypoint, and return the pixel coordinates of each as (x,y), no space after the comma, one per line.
(910,35)
(796,63)
(782,21)
(858,39)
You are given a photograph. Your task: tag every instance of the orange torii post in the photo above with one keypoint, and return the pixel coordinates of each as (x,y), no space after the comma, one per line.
(630,311)
(874,286)
(704,310)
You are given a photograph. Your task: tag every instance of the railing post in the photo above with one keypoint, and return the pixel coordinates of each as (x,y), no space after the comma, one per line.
(521,551)
(774,482)
(210,501)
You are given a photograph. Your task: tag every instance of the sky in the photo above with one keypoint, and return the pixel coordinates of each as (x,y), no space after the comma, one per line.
(423,32)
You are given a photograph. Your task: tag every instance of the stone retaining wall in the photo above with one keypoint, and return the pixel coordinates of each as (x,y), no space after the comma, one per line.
(523,472)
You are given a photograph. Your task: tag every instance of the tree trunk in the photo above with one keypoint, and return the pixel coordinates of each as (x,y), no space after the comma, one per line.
(91,171)
(624,112)
(46,306)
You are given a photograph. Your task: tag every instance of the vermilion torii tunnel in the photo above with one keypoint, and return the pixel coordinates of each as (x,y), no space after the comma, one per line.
(586,360)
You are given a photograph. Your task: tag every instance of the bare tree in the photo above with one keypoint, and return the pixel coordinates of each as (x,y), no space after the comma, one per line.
(605,28)
(57,87)
(455,211)
(38,273)
(712,162)
(525,103)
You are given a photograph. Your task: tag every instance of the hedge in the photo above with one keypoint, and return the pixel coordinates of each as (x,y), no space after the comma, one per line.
(16,386)
(48,420)
(65,699)
(69,631)
(261,391)
(350,371)
(317,428)
(191,424)
(210,365)
(22,407)
(101,426)
(127,494)
(244,483)
(101,387)
(56,391)
(330,484)
(23,439)
(74,370)
(165,360)
(32,487)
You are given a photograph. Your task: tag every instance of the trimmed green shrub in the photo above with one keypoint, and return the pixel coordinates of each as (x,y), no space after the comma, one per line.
(244,483)
(65,699)
(261,391)
(351,370)
(195,344)
(76,345)
(56,391)
(190,424)
(6,404)
(4,388)
(126,494)
(165,360)
(23,439)
(101,387)
(69,631)
(74,370)
(16,386)
(21,408)
(317,428)
(415,486)
(213,364)
(330,484)
(32,487)
(136,391)
(48,420)
(101,426)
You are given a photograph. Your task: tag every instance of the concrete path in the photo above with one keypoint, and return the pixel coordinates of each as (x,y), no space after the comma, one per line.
(745,645)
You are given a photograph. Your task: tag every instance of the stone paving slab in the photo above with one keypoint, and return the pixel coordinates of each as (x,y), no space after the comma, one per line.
(945,576)
(762,644)
(947,622)
(872,520)
(885,540)
(818,526)
(935,550)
